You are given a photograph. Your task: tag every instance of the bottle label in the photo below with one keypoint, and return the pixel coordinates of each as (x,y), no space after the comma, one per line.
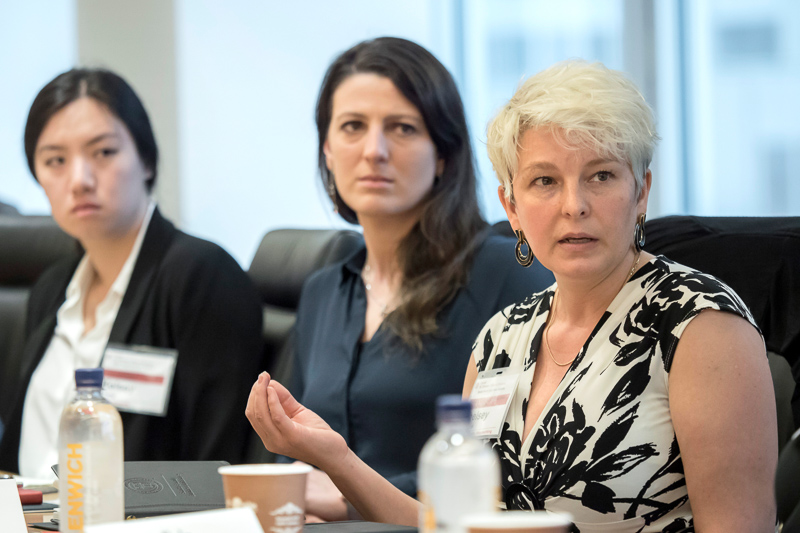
(491,396)
(74,479)
(427,517)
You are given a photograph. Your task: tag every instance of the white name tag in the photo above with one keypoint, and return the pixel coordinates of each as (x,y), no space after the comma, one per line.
(242,520)
(138,379)
(11,508)
(491,396)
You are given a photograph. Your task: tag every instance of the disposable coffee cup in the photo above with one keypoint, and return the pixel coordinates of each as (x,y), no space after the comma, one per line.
(517,522)
(276,492)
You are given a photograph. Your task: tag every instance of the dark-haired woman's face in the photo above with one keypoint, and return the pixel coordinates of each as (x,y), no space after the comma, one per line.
(87,163)
(378,149)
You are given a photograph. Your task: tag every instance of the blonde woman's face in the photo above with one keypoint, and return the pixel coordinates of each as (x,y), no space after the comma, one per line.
(577,209)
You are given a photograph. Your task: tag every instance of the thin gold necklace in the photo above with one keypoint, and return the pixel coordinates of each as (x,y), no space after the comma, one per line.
(553,314)
(547,336)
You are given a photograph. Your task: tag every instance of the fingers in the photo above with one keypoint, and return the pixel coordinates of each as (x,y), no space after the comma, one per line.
(260,417)
(289,404)
(256,403)
(277,414)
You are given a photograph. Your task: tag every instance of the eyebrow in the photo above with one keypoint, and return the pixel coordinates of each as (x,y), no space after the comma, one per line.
(94,140)
(547,166)
(541,165)
(396,116)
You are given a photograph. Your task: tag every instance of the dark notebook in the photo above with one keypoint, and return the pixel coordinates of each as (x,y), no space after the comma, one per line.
(154,488)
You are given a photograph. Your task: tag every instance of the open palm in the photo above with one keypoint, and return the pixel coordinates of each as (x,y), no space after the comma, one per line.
(288,428)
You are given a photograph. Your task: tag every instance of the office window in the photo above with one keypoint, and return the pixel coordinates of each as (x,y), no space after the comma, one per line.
(721,75)
(742,70)
(505,41)
(37,41)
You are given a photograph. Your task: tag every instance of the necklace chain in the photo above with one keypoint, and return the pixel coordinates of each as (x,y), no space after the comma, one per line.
(547,334)
(553,311)
(366,277)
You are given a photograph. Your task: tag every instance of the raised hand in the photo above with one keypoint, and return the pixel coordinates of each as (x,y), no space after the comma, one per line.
(286,427)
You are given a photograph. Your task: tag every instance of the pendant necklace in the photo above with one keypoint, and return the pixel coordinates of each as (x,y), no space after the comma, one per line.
(366,277)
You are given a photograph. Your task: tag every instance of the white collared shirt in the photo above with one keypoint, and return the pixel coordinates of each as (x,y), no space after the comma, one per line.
(52,385)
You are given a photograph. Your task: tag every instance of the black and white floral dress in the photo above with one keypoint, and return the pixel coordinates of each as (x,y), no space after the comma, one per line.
(604,448)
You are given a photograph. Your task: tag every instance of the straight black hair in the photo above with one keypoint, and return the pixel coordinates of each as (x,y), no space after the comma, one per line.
(108,89)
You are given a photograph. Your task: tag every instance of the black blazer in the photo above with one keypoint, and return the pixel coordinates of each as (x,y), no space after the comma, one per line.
(184,293)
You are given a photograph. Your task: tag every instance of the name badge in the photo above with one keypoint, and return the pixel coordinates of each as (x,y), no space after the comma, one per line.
(138,379)
(491,396)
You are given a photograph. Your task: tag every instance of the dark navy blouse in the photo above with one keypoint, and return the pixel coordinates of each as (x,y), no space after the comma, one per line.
(380,395)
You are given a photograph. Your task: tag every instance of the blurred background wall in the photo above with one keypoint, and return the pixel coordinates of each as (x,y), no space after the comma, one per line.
(231,87)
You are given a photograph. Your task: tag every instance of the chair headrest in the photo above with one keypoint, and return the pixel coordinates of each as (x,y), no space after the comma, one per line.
(503,227)
(28,245)
(286,257)
(758,257)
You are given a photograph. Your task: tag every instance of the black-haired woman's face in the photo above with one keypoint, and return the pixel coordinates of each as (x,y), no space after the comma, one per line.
(378,149)
(87,163)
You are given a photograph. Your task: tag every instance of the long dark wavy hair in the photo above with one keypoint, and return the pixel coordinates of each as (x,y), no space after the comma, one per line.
(436,255)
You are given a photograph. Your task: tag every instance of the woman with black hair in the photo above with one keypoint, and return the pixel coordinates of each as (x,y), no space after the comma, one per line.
(382,334)
(168,316)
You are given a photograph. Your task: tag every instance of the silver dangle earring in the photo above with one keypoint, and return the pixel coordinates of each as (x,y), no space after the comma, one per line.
(638,233)
(526,259)
(332,194)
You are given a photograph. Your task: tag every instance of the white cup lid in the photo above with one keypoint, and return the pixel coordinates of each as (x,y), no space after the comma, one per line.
(267,469)
(516,519)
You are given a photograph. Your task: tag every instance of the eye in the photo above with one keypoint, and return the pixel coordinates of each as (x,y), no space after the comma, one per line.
(405,129)
(352,126)
(543,181)
(54,161)
(603,175)
(103,153)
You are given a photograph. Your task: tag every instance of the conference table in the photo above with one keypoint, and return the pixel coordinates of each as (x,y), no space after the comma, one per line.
(330,527)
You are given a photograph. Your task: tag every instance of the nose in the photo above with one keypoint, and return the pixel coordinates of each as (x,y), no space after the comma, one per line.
(81,175)
(376,146)
(574,202)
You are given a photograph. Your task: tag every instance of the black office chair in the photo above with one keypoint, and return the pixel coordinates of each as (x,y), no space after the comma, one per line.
(284,260)
(787,486)
(28,245)
(8,210)
(759,258)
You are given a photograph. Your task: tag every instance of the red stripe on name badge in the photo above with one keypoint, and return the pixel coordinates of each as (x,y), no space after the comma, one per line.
(134,377)
(490,402)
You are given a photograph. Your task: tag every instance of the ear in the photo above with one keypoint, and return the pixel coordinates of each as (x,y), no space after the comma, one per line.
(510,207)
(644,194)
(439,166)
(326,149)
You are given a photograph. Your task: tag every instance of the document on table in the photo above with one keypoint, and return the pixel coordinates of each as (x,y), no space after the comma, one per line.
(11,507)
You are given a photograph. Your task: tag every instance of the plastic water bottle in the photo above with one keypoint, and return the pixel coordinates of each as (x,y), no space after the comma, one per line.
(90,457)
(458,474)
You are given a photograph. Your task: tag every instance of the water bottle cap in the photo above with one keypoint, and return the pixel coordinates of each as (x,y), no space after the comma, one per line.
(89,377)
(453,407)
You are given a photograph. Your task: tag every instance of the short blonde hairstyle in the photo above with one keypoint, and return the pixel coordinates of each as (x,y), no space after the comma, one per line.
(593,106)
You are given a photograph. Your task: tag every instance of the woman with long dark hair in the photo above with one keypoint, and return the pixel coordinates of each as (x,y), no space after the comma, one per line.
(384,333)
